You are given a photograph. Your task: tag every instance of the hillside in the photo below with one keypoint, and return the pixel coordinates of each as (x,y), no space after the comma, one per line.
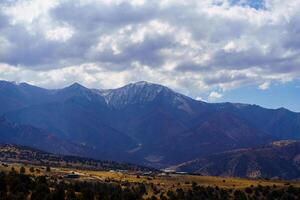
(280,160)
(20,154)
(27,135)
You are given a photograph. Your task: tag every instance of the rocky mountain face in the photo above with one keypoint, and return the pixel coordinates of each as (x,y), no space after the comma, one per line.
(276,160)
(143,122)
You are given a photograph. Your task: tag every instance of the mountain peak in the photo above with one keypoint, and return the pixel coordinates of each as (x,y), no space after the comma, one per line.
(144,86)
(77,86)
(20,85)
(74,89)
(8,83)
(143,83)
(141,92)
(77,90)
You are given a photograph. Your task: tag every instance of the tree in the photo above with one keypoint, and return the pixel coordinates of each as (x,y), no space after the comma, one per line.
(31,169)
(48,169)
(58,193)
(41,192)
(2,182)
(153,197)
(239,195)
(13,169)
(22,170)
(142,189)
(70,195)
(87,194)
(2,185)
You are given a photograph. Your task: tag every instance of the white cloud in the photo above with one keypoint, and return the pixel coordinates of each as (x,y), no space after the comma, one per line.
(198,98)
(215,95)
(59,34)
(264,86)
(26,11)
(191,45)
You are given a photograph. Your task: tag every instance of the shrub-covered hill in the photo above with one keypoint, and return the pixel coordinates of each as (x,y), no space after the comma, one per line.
(28,155)
(278,160)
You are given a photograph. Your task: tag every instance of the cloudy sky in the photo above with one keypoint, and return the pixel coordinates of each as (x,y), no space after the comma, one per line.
(214,50)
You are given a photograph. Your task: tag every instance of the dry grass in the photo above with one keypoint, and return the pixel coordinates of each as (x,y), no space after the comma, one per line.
(165,182)
(184,181)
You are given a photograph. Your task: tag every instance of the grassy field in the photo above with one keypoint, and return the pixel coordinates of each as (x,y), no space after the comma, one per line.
(164,180)
(170,180)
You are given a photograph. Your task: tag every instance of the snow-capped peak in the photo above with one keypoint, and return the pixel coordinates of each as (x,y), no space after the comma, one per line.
(137,93)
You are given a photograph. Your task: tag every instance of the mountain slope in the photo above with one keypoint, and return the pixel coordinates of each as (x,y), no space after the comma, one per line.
(219,132)
(28,135)
(78,123)
(277,160)
(281,122)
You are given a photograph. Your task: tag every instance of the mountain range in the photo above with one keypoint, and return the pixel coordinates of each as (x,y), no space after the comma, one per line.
(142,122)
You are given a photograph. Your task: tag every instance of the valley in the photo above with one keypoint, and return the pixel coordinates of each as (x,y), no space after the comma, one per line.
(65,174)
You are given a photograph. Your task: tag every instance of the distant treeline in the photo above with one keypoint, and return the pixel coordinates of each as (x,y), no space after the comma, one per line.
(18,186)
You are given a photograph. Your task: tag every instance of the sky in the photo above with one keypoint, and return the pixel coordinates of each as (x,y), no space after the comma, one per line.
(212,50)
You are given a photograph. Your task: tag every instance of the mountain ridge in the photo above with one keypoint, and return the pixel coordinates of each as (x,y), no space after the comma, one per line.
(102,92)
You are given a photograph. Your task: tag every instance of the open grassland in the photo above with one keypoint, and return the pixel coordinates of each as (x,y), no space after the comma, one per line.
(184,180)
(163,180)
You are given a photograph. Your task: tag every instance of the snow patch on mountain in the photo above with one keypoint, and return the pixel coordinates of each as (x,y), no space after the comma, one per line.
(134,93)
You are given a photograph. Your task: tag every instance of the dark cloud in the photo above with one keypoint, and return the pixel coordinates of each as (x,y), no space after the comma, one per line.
(192,67)
(224,78)
(3,21)
(32,50)
(147,52)
(291,36)
(98,15)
